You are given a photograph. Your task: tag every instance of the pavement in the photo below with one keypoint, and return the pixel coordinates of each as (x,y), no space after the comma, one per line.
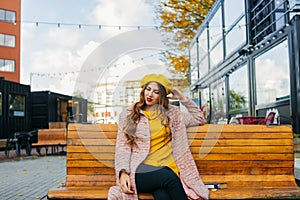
(30,177)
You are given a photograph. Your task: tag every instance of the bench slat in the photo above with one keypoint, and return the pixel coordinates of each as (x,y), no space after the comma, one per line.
(256,193)
(91,142)
(225,128)
(91,135)
(89,156)
(91,149)
(93,127)
(193,142)
(234,193)
(263,171)
(243,156)
(84,193)
(243,164)
(96,163)
(240,142)
(216,149)
(246,149)
(90,170)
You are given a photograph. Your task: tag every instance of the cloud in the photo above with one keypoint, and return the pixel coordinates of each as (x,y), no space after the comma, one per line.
(130,13)
(50,52)
(120,12)
(65,38)
(272,79)
(56,69)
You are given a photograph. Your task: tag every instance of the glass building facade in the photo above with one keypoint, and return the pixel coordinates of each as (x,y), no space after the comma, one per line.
(244,61)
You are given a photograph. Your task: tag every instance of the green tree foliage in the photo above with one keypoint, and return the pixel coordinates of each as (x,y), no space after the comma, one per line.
(180,20)
(237,101)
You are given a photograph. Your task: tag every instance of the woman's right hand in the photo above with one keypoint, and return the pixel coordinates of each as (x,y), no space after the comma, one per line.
(125,183)
(176,94)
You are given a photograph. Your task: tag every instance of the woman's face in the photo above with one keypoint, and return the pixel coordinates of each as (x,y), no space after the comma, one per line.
(152,94)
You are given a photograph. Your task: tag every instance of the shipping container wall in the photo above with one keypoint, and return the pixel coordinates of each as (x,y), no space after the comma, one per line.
(15,109)
(53,107)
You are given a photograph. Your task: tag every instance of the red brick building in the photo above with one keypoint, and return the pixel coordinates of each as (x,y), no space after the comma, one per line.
(10,35)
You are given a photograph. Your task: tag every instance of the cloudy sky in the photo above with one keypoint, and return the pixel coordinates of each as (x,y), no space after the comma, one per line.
(53,57)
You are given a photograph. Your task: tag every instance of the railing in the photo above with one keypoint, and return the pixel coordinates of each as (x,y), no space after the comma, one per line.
(267,17)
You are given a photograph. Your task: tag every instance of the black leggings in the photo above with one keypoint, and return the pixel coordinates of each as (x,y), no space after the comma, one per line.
(162,182)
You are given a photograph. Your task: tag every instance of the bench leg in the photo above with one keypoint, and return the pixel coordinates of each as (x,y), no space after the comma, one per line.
(28,148)
(18,149)
(46,148)
(38,149)
(7,148)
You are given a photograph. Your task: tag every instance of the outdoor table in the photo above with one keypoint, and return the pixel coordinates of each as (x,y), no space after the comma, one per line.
(250,119)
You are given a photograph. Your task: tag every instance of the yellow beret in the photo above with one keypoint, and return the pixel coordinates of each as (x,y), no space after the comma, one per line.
(159,78)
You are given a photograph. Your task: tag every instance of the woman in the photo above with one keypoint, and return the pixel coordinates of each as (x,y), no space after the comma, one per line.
(152,151)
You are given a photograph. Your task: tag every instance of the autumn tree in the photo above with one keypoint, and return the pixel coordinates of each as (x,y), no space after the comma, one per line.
(180,20)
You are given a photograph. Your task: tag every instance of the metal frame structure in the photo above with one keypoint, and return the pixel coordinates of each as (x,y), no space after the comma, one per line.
(215,56)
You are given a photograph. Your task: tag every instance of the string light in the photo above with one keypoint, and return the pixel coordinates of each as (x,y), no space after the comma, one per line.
(60,75)
(99,26)
(119,27)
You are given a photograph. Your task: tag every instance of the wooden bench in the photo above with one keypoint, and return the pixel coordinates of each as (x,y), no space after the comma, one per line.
(255,161)
(2,144)
(53,125)
(53,138)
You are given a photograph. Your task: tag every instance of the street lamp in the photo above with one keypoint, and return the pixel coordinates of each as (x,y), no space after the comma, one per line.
(106,95)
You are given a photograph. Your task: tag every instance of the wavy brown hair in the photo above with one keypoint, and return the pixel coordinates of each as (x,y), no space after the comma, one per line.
(133,118)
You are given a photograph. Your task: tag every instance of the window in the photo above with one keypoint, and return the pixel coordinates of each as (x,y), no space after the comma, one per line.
(236,37)
(1,103)
(203,53)
(232,15)
(215,28)
(203,66)
(16,105)
(235,24)
(2,15)
(194,64)
(216,39)
(7,40)
(216,55)
(203,49)
(194,76)
(281,7)
(218,103)
(205,102)
(7,65)
(238,89)
(272,75)
(7,16)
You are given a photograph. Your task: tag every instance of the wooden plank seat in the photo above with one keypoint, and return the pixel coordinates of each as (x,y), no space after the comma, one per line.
(53,138)
(255,161)
(53,125)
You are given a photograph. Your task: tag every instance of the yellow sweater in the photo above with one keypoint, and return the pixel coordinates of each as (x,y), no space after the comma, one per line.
(160,144)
